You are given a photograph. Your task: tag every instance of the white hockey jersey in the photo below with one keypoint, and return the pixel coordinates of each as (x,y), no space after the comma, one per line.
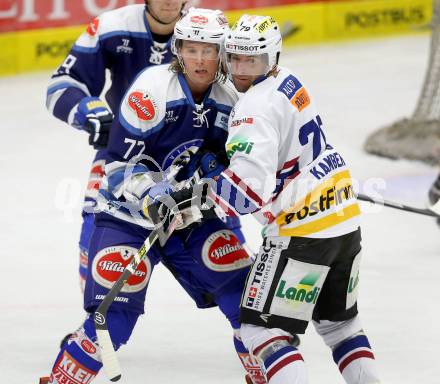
(282,168)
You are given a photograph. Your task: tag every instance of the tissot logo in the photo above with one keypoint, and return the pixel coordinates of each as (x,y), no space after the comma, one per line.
(242,48)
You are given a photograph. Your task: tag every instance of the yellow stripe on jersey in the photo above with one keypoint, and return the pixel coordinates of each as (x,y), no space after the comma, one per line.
(332,191)
(323,223)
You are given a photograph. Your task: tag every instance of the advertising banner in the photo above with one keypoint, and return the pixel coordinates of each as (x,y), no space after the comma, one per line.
(37,34)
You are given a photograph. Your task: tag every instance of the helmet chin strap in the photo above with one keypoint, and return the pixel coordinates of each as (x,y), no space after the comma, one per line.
(147,8)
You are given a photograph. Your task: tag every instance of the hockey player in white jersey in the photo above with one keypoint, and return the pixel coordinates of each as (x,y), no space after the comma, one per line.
(284,171)
(169,111)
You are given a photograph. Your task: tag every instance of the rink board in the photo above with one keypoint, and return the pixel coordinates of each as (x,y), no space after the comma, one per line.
(306,23)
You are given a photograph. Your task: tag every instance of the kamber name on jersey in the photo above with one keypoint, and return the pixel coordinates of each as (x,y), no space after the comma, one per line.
(328,164)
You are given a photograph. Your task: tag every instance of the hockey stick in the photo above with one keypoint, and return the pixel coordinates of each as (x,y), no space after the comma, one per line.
(108,353)
(433,211)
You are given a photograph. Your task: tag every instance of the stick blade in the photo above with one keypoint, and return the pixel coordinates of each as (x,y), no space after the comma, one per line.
(109,359)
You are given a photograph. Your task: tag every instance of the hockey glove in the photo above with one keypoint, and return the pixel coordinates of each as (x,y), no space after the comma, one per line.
(190,205)
(153,195)
(202,165)
(94,117)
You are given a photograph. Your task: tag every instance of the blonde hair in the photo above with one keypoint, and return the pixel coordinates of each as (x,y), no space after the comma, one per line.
(177,66)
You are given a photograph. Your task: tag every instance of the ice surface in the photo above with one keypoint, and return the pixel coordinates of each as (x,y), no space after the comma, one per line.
(359,86)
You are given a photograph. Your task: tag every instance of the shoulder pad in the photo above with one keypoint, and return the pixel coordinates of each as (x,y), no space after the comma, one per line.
(125,20)
(292,88)
(144,105)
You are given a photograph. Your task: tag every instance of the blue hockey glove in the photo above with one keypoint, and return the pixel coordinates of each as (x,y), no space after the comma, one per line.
(94,117)
(205,165)
(209,166)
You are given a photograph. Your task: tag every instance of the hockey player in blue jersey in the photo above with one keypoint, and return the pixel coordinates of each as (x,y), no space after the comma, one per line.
(123,41)
(168,112)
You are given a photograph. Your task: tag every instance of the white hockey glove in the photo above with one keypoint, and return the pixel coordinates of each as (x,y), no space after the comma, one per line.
(94,117)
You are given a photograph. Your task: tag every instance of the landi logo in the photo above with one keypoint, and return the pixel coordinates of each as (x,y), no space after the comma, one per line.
(240,144)
(304,291)
(353,283)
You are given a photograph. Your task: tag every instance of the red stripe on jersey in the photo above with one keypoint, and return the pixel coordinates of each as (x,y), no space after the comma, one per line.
(288,164)
(223,206)
(246,189)
(289,359)
(357,355)
(266,343)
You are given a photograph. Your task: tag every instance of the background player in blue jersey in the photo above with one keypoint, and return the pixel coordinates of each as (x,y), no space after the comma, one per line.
(123,41)
(168,112)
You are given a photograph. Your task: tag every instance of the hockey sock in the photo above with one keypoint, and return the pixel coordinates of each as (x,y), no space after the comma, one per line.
(78,361)
(356,362)
(250,364)
(286,365)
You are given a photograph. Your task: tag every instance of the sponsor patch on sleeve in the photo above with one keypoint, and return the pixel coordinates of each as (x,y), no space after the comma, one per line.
(143,105)
(292,88)
(240,144)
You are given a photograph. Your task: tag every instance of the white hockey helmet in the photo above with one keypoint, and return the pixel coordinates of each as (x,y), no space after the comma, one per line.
(255,36)
(201,25)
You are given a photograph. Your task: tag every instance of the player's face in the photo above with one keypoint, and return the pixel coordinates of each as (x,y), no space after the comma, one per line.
(166,11)
(200,60)
(245,69)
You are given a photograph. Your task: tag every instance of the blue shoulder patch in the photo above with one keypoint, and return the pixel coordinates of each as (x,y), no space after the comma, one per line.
(290,86)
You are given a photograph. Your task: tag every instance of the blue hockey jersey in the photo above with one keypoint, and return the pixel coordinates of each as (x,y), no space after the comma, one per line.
(119,41)
(157,122)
